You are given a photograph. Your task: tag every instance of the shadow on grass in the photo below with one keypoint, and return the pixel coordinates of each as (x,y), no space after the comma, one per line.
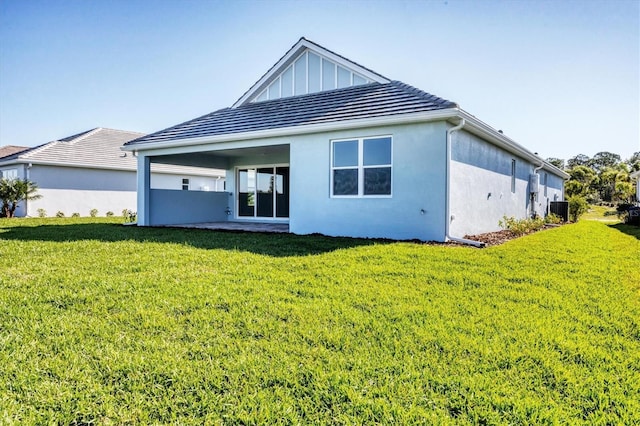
(277,245)
(632,230)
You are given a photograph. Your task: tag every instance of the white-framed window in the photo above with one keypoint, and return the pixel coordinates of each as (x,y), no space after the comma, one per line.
(513,176)
(9,174)
(361,167)
(185,184)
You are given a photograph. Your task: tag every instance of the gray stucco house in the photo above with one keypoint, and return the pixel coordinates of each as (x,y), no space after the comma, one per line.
(328,146)
(88,171)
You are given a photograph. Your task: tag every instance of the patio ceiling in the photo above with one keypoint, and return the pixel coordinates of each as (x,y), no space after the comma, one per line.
(220,158)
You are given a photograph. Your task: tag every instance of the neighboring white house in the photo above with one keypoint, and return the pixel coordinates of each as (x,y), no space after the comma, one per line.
(328,146)
(636,176)
(89,171)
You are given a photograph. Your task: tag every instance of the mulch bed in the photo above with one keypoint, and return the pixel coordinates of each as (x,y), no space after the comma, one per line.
(493,238)
(499,237)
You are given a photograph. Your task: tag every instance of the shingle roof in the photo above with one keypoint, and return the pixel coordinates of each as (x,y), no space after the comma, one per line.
(7,150)
(366,101)
(96,148)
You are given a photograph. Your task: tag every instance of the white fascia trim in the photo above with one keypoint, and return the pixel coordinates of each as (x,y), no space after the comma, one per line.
(78,166)
(345,63)
(472,124)
(480,128)
(11,163)
(296,50)
(112,168)
(442,114)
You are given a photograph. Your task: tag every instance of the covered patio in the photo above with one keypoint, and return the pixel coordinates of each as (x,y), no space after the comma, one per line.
(256,190)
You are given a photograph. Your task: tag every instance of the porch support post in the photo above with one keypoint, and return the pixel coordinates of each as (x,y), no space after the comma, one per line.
(143,186)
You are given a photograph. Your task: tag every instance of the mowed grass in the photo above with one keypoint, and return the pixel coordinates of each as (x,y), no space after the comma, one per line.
(106,324)
(601,213)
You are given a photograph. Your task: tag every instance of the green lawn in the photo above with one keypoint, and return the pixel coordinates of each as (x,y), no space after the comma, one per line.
(601,213)
(108,324)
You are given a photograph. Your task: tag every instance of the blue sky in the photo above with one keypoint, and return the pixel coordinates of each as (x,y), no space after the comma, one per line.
(559,77)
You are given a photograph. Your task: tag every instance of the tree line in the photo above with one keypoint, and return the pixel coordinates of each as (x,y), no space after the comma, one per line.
(603,178)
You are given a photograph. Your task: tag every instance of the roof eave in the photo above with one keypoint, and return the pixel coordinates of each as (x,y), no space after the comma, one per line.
(473,125)
(479,127)
(442,114)
(206,172)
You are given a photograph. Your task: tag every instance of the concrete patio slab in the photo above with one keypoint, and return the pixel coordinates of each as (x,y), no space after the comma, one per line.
(238,226)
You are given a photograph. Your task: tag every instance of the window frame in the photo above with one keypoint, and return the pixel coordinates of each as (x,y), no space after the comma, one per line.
(186,184)
(255,217)
(4,174)
(360,167)
(513,175)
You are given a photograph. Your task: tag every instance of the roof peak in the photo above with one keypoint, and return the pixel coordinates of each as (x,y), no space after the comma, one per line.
(82,135)
(299,49)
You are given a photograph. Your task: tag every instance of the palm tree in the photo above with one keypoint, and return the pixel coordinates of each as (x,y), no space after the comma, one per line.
(13,191)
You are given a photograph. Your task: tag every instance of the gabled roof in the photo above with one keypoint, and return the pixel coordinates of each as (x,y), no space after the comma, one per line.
(97,148)
(7,150)
(294,52)
(379,102)
(366,101)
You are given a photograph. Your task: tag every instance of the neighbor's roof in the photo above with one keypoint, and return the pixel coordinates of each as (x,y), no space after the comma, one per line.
(7,150)
(366,101)
(96,148)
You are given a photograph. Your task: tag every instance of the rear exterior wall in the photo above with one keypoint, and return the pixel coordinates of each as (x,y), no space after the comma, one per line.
(415,209)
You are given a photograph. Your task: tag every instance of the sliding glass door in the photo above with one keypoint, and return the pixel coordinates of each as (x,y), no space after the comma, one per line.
(263,192)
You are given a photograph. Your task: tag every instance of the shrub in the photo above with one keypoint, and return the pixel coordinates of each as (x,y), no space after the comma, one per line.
(13,191)
(623,207)
(42,213)
(109,213)
(59,214)
(130,216)
(125,213)
(521,226)
(577,207)
(622,211)
(553,219)
(93,212)
(75,214)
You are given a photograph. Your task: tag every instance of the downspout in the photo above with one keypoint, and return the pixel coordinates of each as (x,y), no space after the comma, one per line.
(533,195)
(448,218)
(27,175)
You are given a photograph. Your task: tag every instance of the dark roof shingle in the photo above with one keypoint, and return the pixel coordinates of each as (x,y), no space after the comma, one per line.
(366,101)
